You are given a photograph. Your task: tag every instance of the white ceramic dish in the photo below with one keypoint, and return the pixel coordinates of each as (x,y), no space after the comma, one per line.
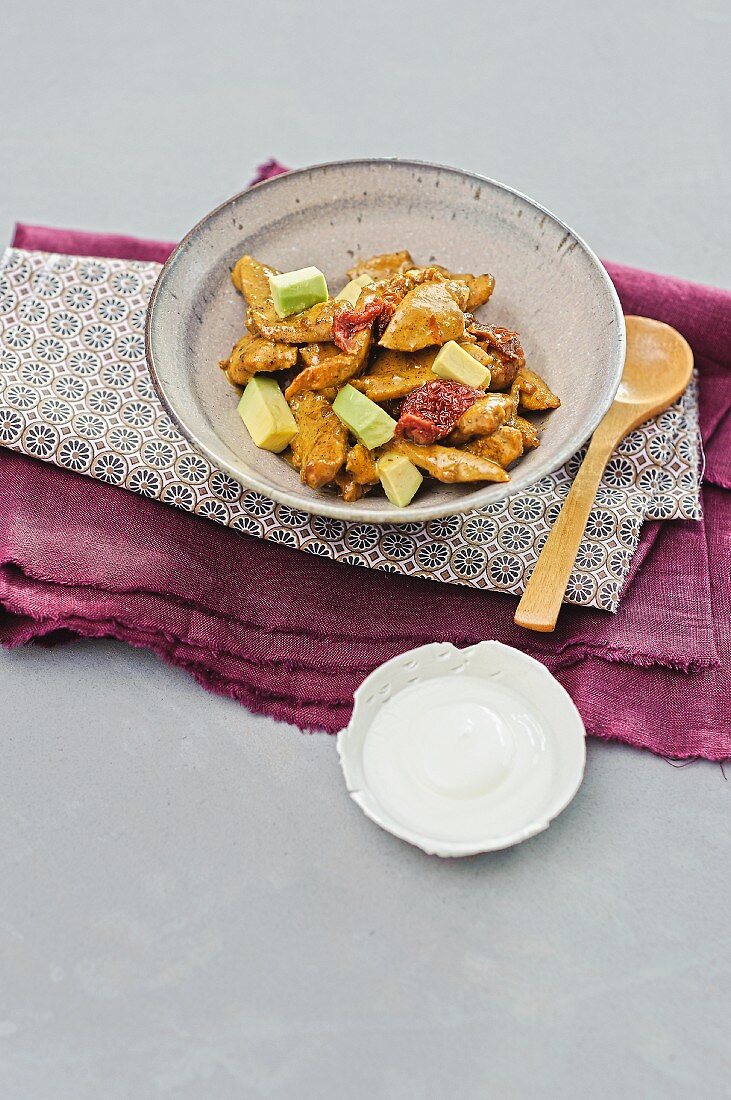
(461,751)
(550,287)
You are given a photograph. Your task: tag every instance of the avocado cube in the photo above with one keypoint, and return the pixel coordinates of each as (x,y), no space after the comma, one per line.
(297,290)
(399,478)
(368,422)
(266,414)
(351,291)
(456,364)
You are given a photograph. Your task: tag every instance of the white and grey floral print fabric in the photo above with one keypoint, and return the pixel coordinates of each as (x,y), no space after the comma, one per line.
(75,390)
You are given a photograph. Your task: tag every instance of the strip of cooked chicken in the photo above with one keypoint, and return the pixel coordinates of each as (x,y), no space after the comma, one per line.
(529,433)
(251,279)
(320,447)
(383,265)
(502,447)
(361,465)
(394,374)
(253,354)
(534,393)
(429,315)
(327,370)
(312,326)
(480,286)
(448,464)
(483,418)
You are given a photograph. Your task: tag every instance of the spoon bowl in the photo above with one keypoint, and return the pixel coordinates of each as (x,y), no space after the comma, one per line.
(658,365)
(657,368)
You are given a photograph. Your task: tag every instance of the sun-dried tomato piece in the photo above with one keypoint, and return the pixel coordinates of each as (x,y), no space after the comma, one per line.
(350,321)
(504,339)
(430,413)
(388,308)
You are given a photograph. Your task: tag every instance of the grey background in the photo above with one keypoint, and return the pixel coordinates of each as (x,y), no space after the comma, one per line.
(190,905)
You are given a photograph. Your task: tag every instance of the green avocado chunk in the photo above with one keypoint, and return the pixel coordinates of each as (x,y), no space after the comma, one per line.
(351,291)
(368,422)
(399,478)
(457,365)
(267,415)
(297,290)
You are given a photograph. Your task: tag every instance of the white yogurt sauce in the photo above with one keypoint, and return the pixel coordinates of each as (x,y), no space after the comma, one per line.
(459,758)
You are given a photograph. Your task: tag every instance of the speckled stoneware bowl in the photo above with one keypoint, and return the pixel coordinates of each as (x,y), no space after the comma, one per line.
(550,287)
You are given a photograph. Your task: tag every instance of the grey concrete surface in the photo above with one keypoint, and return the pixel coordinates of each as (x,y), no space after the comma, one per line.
(190,905)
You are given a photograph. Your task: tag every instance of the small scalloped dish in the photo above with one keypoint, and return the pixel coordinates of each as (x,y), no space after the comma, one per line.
(461,751)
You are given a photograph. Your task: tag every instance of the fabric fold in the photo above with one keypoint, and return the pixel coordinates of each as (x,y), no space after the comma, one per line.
(292,635)
(75,391)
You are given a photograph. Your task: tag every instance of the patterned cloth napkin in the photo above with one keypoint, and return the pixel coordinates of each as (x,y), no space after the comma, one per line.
(75,391)
(293,634)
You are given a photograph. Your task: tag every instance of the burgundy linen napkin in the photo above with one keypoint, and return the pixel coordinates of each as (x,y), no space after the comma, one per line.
(293,636)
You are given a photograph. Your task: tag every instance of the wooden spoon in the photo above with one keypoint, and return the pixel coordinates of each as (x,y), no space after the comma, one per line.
(657,369)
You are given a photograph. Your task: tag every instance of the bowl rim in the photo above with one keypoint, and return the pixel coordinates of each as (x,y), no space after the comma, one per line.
(320,504)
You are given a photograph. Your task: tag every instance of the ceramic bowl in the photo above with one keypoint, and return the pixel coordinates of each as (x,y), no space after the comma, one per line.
(461,751)
(551,288)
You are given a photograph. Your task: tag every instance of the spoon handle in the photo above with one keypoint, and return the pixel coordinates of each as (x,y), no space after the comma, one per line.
(541,601)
